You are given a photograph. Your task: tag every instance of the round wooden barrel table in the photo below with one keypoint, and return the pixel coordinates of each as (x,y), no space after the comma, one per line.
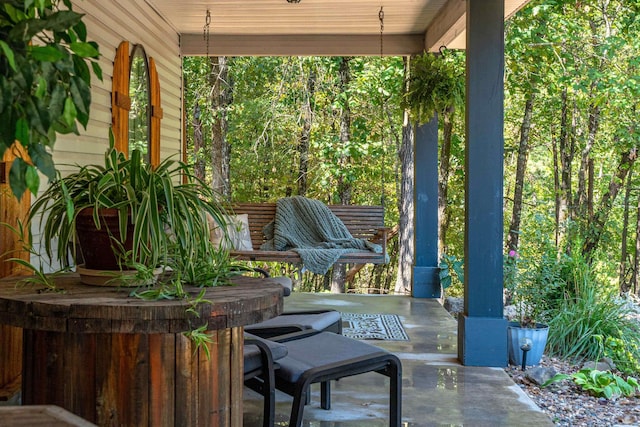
(117,360)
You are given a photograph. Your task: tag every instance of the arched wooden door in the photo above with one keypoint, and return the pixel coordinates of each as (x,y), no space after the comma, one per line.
(11,211)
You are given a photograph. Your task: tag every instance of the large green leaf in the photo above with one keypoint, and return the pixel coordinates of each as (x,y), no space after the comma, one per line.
(81,94)
(82,69)
(69,113)
(7,129)
(45,116)
(62,20)
(9,54)
(56,104)
(46,53)
(26,30)
(17,177)
(81,30)
(35,120)
(32,180)
(42,159)
(41,89)
(97,70)
(85,50)
(22,131)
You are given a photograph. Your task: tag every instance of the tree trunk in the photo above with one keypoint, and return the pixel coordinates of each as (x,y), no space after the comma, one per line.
(339,272)
(556,188)
(221,98)
(443,179)
(596,226)
(405,199)
(590,191)
(636,255)
(624,280)
(521,167)
(303,144)
(406,210)
(581,198)
(566,157)
(198,143)
(344,186)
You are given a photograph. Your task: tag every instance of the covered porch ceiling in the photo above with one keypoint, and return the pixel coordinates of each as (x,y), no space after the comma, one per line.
(318,27)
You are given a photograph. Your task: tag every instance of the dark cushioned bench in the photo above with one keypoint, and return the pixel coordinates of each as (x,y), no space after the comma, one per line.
(293,321)
(320,357)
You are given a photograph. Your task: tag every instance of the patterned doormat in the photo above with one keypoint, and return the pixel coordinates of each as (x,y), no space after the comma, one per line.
(373,327)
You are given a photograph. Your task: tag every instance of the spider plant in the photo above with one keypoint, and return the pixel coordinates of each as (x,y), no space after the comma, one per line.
(162,210)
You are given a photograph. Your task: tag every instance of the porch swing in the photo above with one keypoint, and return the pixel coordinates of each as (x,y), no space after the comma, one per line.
(362,221)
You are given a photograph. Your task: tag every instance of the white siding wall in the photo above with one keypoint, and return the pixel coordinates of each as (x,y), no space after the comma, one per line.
(108,23)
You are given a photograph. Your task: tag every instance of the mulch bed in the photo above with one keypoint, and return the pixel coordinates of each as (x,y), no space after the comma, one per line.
(568,405)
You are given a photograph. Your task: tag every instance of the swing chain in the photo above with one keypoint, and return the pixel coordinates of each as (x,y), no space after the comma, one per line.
(205,30)
(381,18)
(382,174)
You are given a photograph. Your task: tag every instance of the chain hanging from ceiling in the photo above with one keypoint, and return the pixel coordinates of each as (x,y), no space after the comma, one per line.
(383,195)
(381,18)
(205,30)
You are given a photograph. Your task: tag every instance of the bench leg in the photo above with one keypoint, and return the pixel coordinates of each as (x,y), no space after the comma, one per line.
(394,371)
(325,395)
(299,397)
(269,408)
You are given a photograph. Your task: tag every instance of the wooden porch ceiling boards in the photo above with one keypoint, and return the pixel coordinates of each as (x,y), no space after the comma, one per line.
(318,27)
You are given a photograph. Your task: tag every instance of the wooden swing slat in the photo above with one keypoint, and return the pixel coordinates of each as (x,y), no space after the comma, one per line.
(365,222)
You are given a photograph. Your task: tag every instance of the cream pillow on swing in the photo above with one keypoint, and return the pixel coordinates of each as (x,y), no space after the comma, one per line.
(237,233)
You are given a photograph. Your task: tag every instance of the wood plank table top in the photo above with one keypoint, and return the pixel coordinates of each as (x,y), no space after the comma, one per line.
(80,308)
(40,415)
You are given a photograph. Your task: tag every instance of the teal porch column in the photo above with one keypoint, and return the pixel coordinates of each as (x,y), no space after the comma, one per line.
(426,283)
(482,330)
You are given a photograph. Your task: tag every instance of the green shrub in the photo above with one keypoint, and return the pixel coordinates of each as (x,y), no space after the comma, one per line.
(625,354)
(601,383)
(590,322)
(533,285)
(451,270)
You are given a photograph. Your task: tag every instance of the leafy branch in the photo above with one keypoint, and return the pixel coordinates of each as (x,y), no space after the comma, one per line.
(45,87)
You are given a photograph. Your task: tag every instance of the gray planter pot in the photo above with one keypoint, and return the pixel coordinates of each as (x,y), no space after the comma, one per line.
(517,334)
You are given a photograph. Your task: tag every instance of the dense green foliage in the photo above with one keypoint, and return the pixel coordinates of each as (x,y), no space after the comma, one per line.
(44,82)
(572,86)
(265,123)
(578,60)
(588,321)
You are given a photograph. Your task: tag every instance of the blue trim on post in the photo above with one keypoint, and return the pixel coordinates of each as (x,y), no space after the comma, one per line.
(482,330)
(426,282)
(483,340)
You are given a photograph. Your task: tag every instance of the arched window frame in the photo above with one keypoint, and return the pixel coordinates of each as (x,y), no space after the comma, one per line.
(121,103)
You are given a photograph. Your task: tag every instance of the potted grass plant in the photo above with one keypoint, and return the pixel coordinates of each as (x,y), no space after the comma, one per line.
(132,216)
(528,290)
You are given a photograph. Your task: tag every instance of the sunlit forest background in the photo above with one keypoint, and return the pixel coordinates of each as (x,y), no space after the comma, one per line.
(335,129)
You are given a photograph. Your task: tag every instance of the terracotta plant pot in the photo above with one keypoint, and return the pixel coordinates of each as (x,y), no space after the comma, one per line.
(97,246)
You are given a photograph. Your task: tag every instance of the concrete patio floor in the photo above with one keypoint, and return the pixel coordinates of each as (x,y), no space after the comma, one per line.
(436,389)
